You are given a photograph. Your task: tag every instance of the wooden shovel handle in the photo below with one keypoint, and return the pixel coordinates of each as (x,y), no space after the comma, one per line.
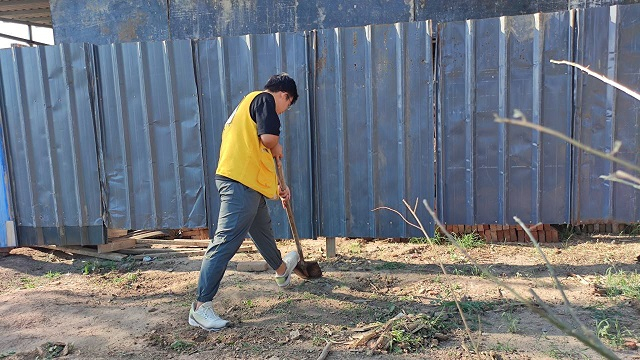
(292,221)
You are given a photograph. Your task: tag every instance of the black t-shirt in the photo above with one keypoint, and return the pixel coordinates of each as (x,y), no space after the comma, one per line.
(263,112)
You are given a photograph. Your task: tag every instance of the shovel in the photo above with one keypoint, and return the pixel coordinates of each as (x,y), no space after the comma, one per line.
(304,269)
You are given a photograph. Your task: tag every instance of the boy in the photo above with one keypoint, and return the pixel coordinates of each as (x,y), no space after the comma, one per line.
(245,177)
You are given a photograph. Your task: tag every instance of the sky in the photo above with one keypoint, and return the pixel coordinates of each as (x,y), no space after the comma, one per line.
(44,35)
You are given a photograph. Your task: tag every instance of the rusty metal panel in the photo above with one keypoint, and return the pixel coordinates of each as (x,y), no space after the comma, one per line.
(490,172)
(109,21)
(373,128)
(150,137)
(228,68)
(608,43)
(50,132)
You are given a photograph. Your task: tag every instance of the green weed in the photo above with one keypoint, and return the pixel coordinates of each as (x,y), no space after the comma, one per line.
(506,347)
(355,248)
(90,267)
(28,283)
(180,345)
(621,283)
(52,275)
(512,322)
(391,265)
(612,331)
(7,354)
(248,303)
(470,241)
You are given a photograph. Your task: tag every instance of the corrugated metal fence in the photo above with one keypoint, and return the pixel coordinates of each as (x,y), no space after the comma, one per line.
(490,172)
(127,135)
(51,144)
(150,136)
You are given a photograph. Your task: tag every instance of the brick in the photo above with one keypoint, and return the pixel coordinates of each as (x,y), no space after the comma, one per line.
(548,235)
(542,236)
(514,234)
(590,228)
(467,229)
(487,235)
(521,236)
(252,266)
(609,228)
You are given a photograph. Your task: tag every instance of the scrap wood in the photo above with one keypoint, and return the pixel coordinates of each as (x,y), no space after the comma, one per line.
(169,254)
(377,332)
(246,247)
(147,234)
(182,242)
(84,251)
(582,279)
(325,351)
(418,329)
(116,245)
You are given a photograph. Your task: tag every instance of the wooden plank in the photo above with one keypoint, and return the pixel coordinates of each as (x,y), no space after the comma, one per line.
(84,251)
(116,245)
(180,242)
(331,247)
(200,234)
(117,233)
(147,235)
(242,249)
(169,254)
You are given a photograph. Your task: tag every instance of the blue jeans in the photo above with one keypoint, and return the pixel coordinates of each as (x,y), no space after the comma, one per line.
(242,210)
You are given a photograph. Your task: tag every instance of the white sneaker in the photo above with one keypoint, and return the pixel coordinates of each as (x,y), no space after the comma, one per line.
(206,318)
(290,260)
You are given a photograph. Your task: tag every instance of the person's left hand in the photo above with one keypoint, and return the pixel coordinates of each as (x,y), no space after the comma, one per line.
(285,195)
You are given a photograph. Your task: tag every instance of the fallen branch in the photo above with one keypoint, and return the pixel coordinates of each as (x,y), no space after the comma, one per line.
(325,351)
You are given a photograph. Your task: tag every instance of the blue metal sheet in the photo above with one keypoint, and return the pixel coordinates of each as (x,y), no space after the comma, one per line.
(47,114)
(200,19)
(7,225)
(229,68)
(150,136)
(490,172)
(608,43)
(373,127)
(109,21)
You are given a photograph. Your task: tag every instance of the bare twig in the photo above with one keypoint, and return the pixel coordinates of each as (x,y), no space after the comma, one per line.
(585,331)
(399,214)
(325,351)
(523,122)
(599,77)
(623,178)
(545,312)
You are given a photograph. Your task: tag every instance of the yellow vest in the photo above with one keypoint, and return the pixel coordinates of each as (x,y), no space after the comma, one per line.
(243,157)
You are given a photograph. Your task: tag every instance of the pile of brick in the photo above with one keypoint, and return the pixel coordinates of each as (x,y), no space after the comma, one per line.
(544,233)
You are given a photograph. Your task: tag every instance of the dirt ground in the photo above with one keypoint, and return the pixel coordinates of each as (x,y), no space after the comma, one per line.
(136,310)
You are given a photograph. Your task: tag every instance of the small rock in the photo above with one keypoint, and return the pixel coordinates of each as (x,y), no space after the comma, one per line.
(152,310)
(147,259)
(631,344)
(294,335)
(434,343)
(441,336)
(170,269)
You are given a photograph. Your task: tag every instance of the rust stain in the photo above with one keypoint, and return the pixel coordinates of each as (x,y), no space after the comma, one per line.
(129,30)
(321,61)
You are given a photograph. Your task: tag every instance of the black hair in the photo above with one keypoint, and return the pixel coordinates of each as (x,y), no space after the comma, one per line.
(283,82)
